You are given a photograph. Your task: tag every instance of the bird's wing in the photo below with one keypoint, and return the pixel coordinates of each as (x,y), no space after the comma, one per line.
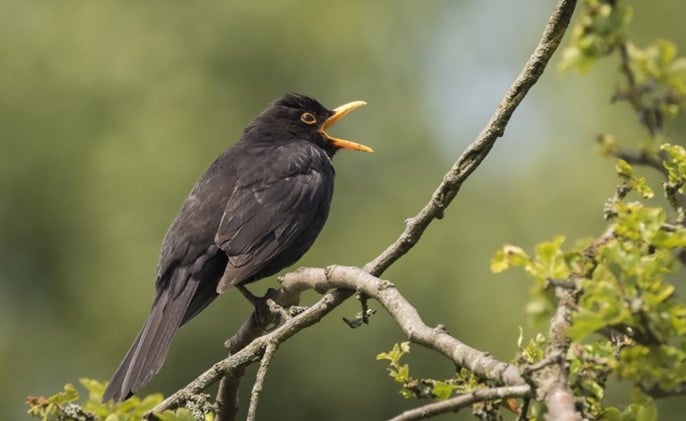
(264,219)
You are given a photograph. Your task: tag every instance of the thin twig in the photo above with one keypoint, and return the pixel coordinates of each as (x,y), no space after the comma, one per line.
(641,157)
(550,359)
(229,387)
(656,391)
(459,402)
(227,400)
(259,379)
(649,116)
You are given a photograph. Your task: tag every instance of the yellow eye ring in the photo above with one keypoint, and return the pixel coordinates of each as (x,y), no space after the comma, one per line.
(308,118)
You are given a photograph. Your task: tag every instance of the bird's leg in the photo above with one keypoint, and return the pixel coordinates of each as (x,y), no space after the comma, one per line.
(263,314)
(254,299)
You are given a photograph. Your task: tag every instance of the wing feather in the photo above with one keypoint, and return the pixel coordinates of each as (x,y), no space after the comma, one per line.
(262,222)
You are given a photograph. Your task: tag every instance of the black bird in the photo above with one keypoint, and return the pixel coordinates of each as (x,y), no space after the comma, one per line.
(256,210)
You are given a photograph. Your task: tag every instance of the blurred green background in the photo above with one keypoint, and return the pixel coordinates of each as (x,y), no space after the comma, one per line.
(110,110)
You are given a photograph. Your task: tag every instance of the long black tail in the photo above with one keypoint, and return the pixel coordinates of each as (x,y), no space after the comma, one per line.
(147,353)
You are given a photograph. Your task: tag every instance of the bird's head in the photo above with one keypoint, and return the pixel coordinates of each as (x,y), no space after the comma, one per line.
(305,118)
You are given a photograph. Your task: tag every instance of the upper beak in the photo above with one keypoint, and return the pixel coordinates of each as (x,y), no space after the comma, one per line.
(338,113)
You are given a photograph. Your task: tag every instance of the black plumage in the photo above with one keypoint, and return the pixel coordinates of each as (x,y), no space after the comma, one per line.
(256,210)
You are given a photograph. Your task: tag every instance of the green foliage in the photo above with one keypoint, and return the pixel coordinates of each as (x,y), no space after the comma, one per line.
(624,294)
(675,165)
(598,31)
(549,263)
(658,62)
(629,322)
(643,408)
(533,351)
(656,75)
(589,368)
(58,406)
(421,388)
(399,373)
(658,65)
(676,177)
(63,406)
(626,172)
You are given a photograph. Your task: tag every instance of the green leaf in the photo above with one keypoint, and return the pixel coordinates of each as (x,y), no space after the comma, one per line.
(396,353)
(403,373)
(611,414)
(639,412)
(534,350)
(550,260)
(69,394)
(95,388)
(640,185)
(623,169)
(442,390)
(181,414)
(507,257)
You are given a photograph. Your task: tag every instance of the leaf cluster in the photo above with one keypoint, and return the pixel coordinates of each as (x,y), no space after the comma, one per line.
(65,405)
(423,388)
(655,74)
(629,321)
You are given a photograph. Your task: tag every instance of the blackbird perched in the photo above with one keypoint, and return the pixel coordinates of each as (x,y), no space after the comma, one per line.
(256,210)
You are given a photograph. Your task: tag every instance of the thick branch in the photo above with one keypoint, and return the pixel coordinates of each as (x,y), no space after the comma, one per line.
(351,279)
(409,321)
(552,383)
(459,402)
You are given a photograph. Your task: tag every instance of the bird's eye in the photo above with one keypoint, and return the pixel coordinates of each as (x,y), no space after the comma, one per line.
(308,118)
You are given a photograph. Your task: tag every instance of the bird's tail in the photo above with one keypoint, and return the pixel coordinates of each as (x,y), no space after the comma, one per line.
(148,351)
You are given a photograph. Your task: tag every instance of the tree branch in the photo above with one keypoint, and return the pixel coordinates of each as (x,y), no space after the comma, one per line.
(459,402)
(476,152)
(352,279)
(470,159)
(552,383)
(649,115)
(408,319)
(550,376)
(259,380)
(641,157)
(656,391)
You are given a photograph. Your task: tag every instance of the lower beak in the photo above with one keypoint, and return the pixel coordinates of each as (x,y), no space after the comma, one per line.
(338,113)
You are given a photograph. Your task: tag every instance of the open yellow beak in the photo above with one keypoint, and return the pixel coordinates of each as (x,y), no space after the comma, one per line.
(338,113)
